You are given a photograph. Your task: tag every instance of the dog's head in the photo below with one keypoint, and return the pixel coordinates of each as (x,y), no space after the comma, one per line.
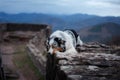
(55,44)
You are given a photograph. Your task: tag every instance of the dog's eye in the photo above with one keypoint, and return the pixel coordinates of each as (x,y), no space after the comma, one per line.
(55,44)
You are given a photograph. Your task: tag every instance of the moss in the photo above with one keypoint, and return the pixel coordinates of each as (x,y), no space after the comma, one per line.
(24,63)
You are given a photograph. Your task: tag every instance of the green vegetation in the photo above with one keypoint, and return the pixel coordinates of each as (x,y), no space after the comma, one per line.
(113,28)
(92,38)
(97,28)
(25,64)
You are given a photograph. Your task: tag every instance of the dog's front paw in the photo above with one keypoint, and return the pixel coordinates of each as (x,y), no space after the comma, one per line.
(64,56)
(59,55)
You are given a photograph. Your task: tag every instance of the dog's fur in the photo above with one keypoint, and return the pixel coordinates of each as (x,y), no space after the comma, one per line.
(63,43)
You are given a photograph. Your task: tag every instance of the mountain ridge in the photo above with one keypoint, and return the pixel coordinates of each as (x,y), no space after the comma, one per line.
(100,32)
(74,21)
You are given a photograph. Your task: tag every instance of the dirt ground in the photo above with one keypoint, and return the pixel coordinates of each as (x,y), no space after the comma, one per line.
(8,53)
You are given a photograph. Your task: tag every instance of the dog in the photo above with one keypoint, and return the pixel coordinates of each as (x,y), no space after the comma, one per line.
(63,43)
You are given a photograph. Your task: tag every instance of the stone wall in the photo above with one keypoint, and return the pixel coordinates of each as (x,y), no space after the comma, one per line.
(22,32)
(36,49)
(95,61)
(34,35)
(21,27)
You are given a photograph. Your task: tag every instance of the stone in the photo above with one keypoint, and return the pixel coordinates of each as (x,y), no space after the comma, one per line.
(91,63)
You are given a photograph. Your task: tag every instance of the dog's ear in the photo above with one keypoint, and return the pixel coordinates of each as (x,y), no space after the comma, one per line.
(57,39)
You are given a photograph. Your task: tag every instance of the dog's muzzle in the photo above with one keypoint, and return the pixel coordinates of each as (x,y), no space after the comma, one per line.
(53,50)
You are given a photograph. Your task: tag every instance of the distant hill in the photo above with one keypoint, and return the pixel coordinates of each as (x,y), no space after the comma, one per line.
(100,32)
(75,21)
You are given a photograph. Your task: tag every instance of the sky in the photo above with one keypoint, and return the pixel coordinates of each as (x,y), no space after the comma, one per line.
(94,7)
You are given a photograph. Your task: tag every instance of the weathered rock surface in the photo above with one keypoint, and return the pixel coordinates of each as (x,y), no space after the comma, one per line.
(36,49)
(21,32)
(11,32)
(94,62)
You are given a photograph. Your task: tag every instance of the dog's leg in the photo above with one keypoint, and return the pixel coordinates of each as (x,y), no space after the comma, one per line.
(69,55)
(63,56)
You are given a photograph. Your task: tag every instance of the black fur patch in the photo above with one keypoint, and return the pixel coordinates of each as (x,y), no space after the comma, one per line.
(74,32)
(61,43)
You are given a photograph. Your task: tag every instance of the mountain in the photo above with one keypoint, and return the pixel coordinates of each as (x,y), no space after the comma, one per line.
(100,32)
(75,21)
(31,18)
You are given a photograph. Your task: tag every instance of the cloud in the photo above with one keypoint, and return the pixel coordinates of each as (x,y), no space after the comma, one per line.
(97,7)
(104,7)
(115,2)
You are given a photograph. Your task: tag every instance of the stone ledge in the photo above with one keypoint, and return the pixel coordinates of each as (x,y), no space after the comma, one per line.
(102,64)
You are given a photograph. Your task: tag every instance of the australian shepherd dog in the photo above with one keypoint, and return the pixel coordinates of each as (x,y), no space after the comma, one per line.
(63,43)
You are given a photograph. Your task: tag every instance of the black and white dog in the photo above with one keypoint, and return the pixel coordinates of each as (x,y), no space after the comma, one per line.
(63,43)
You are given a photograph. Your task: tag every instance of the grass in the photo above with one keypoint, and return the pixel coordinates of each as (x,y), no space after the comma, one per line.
(25,64)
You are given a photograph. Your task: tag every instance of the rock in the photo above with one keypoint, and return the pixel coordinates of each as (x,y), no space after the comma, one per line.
(92,63)
(36,49)
(116,51)
(10,73)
